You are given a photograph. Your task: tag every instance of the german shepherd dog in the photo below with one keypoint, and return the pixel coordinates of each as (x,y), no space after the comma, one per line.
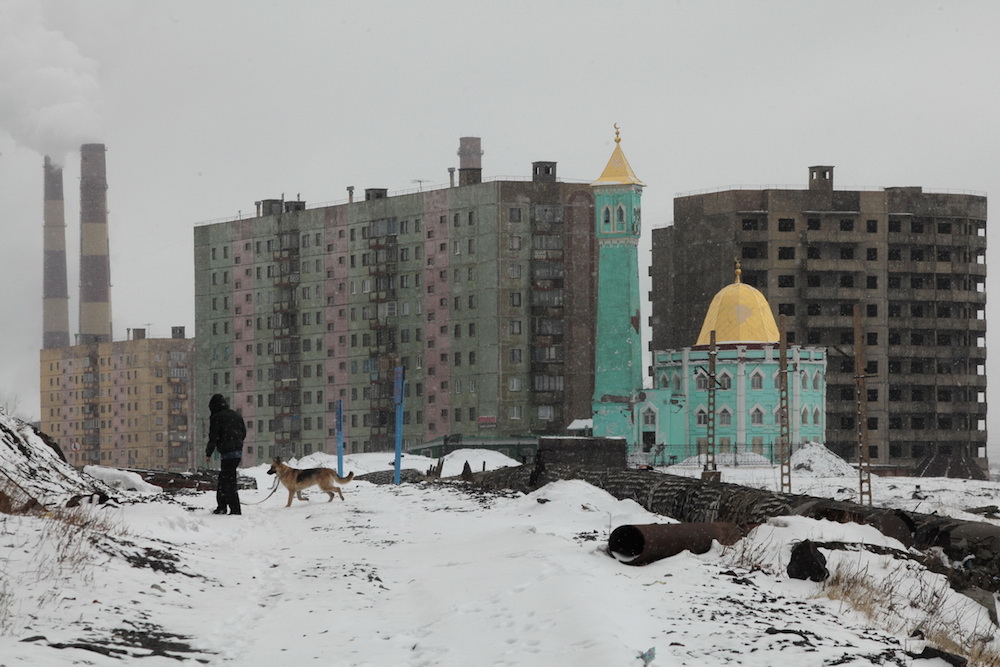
(296,480)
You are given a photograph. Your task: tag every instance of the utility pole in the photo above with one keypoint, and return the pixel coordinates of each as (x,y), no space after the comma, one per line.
(861,399)
(710,471)
(784,440)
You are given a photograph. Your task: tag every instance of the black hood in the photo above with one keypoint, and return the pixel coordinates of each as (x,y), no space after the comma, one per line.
(217,403)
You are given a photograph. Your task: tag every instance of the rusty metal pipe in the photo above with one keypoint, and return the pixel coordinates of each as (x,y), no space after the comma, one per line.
(645,543)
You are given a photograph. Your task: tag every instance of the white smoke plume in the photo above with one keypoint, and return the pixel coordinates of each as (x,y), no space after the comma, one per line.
(48,90)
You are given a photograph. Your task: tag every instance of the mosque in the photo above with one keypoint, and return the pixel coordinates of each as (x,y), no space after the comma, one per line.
(671,421)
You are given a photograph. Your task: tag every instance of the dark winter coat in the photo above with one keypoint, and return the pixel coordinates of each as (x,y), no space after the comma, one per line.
(226,429)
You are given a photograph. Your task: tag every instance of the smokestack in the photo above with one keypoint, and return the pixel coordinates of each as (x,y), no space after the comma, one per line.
(470,161)
(95,265)
(55,292)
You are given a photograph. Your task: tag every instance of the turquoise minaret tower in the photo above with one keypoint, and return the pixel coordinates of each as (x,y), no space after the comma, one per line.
(618,354)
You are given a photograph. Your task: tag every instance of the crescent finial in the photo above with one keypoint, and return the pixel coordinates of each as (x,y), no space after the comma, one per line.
(618,138)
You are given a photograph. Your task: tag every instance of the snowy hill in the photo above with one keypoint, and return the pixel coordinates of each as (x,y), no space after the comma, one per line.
(32,469)
(442,574)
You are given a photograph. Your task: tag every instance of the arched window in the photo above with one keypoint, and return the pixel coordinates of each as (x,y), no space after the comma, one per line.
(816,381)
(620,218)
(677,382)
(816,416)
(777,380)
(725,417)
(701,382)
(805,380)
(664,381)
(606,225)
(757,416)
(757,380)
(725,381)
(805,416)
(649,417)
(701,417)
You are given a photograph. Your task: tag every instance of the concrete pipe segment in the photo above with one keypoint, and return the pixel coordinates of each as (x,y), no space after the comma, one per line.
(641,544)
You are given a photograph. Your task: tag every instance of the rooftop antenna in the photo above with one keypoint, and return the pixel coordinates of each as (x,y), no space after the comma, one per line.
(420,183)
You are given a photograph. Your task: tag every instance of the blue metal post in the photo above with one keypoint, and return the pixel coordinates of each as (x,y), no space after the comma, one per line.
(340,437)
(398,395)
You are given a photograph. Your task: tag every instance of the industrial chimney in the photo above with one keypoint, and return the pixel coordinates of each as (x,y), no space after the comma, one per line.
(55,292)
(95,265)
(470,161)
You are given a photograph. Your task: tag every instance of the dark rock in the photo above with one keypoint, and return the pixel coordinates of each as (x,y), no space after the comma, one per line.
(807,562)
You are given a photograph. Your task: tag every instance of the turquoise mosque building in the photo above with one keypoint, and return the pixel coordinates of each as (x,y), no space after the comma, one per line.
(668,422)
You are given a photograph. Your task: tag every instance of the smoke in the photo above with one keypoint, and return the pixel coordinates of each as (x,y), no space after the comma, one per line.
(48,89)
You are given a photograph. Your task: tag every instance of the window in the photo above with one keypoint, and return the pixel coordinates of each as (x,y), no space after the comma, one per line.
(701,417)
(757,380)
(786,281)
(847,252)
(872,226)
(649,418)
(725,381)
(514,215)
(515,242)
(847,225)
(725,417)
(701,382)
(786,252)
(871,282)
(786,225)
(812,252)
(757,416)
(786,309)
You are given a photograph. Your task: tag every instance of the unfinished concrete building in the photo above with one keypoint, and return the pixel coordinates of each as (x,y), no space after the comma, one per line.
(913,261)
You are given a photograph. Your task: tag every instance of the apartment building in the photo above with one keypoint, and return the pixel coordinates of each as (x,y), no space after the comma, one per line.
(914,262)
(123,404)
(483,291)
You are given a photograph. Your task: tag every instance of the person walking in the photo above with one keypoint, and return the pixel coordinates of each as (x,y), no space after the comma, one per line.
(226,431)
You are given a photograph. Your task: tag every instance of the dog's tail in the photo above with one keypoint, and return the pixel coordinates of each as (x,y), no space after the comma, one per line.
(345,480)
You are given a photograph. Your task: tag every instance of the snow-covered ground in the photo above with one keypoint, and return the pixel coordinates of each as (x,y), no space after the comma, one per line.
(437,574)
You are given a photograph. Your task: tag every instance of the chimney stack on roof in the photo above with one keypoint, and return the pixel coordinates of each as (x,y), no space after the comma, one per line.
(470,161)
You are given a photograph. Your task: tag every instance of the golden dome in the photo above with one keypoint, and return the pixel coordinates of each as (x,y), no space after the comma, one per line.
(618,171)
(739,313)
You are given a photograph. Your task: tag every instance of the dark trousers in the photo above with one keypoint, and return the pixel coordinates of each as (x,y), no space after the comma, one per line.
(226,494)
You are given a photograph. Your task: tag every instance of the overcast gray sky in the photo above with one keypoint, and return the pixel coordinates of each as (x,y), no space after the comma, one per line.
(206,107)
